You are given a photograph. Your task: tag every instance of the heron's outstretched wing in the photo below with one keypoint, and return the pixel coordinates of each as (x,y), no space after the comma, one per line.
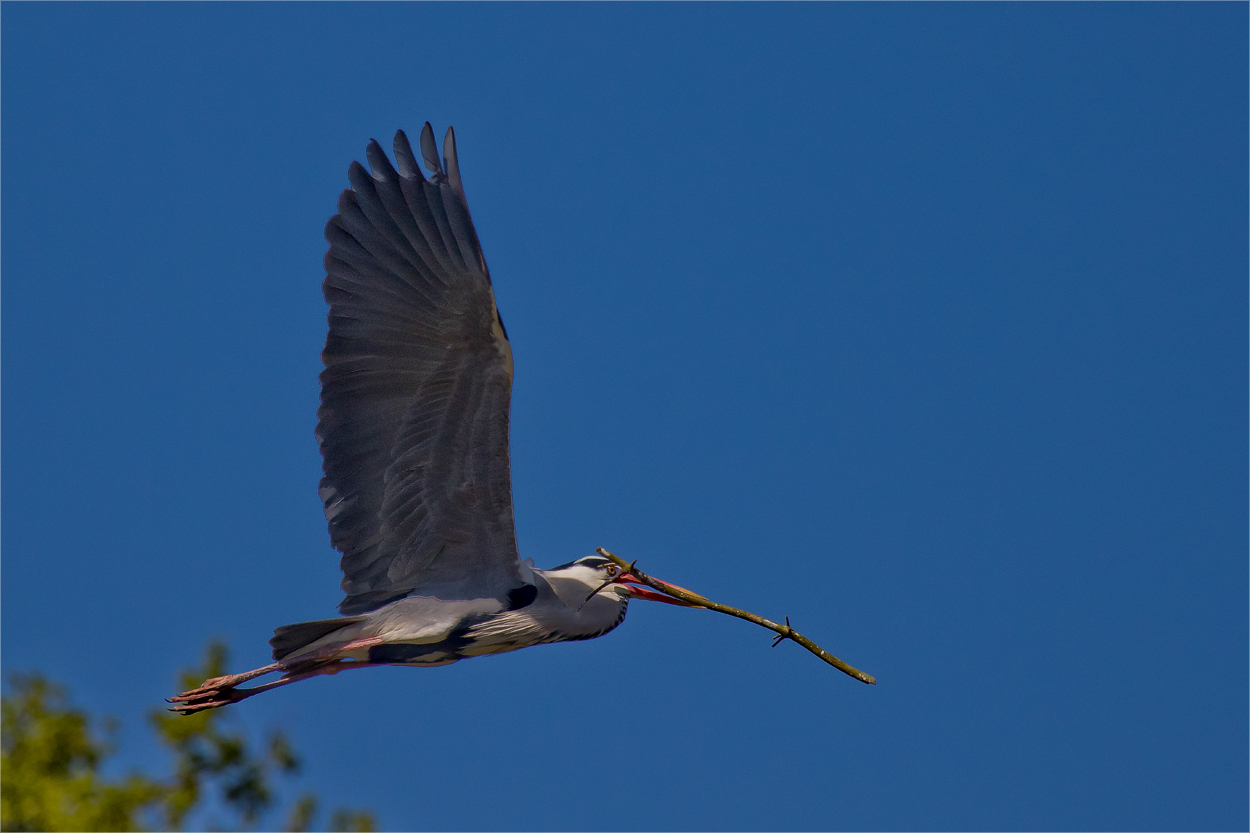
(413,423)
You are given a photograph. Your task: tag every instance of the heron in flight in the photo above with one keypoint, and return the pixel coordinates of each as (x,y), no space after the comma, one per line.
(413,429)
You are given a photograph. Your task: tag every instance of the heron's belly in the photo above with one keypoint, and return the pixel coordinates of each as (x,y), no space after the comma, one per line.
(472,638)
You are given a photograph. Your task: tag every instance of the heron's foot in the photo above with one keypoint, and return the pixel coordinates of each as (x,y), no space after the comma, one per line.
(220,691)
(209,697)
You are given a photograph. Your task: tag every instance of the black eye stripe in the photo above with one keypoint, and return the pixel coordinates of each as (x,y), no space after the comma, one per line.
(592,561)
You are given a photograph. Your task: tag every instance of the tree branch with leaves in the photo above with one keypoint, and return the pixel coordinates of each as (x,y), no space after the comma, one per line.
(50,776)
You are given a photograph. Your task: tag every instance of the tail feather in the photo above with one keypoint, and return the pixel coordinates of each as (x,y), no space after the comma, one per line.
(290,638)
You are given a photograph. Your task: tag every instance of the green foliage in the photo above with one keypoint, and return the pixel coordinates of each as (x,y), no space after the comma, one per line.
(50,773)
(206,752)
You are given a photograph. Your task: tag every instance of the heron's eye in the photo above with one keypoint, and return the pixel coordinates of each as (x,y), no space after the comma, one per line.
(611,570)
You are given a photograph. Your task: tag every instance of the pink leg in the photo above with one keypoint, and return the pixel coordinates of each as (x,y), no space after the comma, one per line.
(221,691)
(217,698)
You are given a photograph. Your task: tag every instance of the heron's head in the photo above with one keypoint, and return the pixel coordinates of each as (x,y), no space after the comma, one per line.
(603,578)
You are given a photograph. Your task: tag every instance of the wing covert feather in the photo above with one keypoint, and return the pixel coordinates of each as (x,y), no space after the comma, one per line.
(413,423)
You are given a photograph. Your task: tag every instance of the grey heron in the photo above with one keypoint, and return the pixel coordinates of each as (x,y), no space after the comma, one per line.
(413,429)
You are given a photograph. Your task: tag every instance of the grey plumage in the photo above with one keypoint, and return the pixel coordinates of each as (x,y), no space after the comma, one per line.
(413,423)
(413,429)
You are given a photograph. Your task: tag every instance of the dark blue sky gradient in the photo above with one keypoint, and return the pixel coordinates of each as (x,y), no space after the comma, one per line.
(925,325)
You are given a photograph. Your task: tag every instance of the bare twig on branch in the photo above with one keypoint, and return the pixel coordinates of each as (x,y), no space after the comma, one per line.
(782,631)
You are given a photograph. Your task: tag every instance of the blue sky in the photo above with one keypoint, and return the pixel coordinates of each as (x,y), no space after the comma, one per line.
(924,325)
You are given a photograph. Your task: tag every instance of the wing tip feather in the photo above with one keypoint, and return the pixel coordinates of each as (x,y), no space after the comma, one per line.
(429,153)
(380,166)
(452,161)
